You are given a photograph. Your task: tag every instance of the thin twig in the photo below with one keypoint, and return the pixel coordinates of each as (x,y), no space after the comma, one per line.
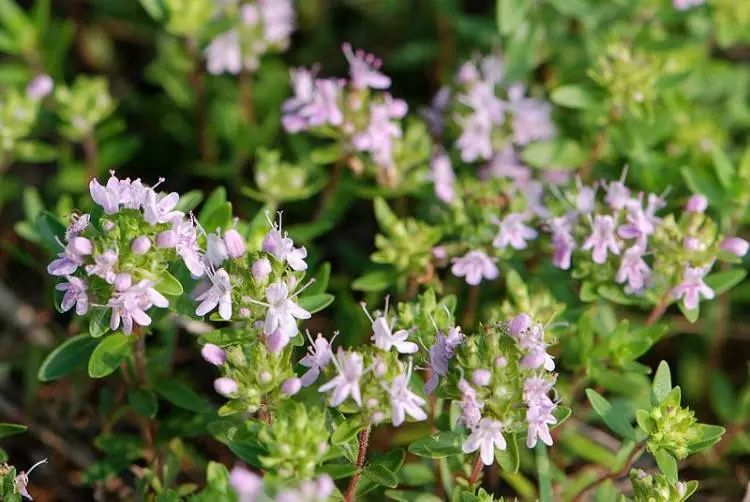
(364,439)
(476,470)
(659,309)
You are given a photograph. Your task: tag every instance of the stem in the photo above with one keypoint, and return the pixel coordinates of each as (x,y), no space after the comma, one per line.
(611,475)
(91,153)
(471,306)
(659,309)
(542,469)
(477,470)
(150,429)
(246,96)
(198,83)
(364,439)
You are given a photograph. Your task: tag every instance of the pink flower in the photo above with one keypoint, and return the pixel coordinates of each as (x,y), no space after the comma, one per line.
(261,269)
(235,243)
(404,401)
(513,232)
(383,336)
(282,312)
(282,248)
(563,242)
(40,87)
(475,265)
(350,368)
(377,138)
(475,141)
(224,55)
(602,239)
(315,102)
(686,4)
(735,245)
(692,287)
(158,208)
(103,266)
(278,21)
(130,306)
(443,177)
(539,417)
(471,409)
(633,270)
(318,356)
(291,386)
(363,69)
(247,484)
(225,386)
(219,294)
(485,437)
(531,118)
(75,294)
(214,354)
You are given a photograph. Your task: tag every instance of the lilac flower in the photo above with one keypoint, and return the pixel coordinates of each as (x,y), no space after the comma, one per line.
(277,340)
(234,243)
(363,69)
(485,437)
(40,87)
(75,294)
(159,208)
(692,287)
(506,164)
(481,98)
(539,417)
(618,195)
(261,269)
(21,482)
(108,196)
(184,239)
(481,377)
(318,356)
(225,386)
(735,245)
(602,239)
(639,226)
(383,336)
(140,245)
(350,368)
(214,354)
(475,141)
(216,250)
(104,265)
(405,402)
(78,224)
(282,248)
(247,485)
(686,4)
(319,490)
(531,118)
(67,263)
(471,409)
(513,232)
(282,312)
(586,198)
(219,294)
(377,138)
(475,265)
(440,355)
(315,102)
(278,21)
(224,54)
(291,386)
(443,177)
(633,270)
(563,242)
(130,306)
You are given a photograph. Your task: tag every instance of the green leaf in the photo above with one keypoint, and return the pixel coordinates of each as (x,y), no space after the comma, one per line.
(155,9)
(572,96)
(183,396)
(510,14)
(691,315)
(51,231)
(667,464)
(643,419)
(704,182)
(723,399)
(69,355)
(723,167)
(316,303)
(338,471)
(414,474)
(107,356)
(220,217)
(381,475)
(322,277)
(613,418)
(98,322)
(35,152)
(509,459)
(189,201)
(438,446)
(662,385)
(168,284)
(144,402)
(346,431)
(723,281)
(708,435)
(11,429)
(375,281)
(558,154)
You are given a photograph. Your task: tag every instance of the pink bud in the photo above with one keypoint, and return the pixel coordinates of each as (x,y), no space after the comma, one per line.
(696,204)
(276,341)
(481,377)
(225,386)
(108,225)
(519,324)
(140,245)
(501,362)
(691,243)
(40,87)
(122,281)
(265,377)
(249,15)
(439,253)
(261,269)
(291,386)
(214,354)
(735,245)
(235,243)
(166,239)
(270,242)
(81,245)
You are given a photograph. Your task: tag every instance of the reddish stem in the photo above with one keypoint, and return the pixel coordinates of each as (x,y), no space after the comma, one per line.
(364,439)
(477,470)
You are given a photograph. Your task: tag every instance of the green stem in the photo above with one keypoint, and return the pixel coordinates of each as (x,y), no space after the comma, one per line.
(542,469)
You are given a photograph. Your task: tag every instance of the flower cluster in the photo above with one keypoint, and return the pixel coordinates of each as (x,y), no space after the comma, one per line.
(502,379)
(118,261)
(261,27)
(249,488)
(657,488)
(358,112)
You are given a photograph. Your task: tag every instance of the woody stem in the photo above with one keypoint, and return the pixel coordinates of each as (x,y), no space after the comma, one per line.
(477,470)
(364,439)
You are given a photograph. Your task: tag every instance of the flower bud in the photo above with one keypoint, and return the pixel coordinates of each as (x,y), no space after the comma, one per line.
(696,204)
(501,362)
(377,417)
(108,225)
(270,242)
(265,377)
(214,354)
(225,386)
(691,244)
(735,245)
(519,324)
(40,87)
(261,269)
(291,386)
(122,281)
(481,377)
(440,253)
(166,239)
(234,242)
(276,341)
(81,246)
(140,245)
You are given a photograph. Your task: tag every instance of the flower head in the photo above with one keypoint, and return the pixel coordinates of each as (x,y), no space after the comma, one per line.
(350,368)
(218,294)
(404,401)
(282,312)
(513,232)
(692,287)
(363,69)
(602,239)
(75,294)
(383,336)
(485,437)
(318,356)
(475,265)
